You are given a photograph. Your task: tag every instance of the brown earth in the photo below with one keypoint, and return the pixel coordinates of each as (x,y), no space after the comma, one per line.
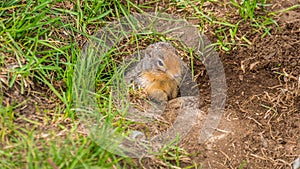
(261,124)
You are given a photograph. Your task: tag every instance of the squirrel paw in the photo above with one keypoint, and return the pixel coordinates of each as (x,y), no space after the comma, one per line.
(158,96)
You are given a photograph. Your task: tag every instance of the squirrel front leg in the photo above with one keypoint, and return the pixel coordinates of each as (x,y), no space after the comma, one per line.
(157,96)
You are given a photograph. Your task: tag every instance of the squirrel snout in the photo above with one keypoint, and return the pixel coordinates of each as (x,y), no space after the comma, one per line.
(177,77)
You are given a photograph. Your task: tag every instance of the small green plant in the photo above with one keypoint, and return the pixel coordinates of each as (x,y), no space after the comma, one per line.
(247,8)
(173,156)
(226,35)
(254,12)
(242,165)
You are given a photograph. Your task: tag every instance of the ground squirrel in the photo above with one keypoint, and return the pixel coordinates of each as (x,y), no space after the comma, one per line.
(158,73)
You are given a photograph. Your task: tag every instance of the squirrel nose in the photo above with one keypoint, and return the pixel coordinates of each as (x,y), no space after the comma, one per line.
(177,77)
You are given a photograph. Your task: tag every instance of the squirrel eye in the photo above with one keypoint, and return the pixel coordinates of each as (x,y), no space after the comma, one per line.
(160,63)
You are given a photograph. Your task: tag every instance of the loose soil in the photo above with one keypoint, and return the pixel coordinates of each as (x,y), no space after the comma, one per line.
(261,123)
(260,127)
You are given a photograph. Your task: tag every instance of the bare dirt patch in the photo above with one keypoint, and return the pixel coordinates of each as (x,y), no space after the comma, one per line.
(261,124)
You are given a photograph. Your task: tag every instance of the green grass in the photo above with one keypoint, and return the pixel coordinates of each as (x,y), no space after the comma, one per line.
(40,42)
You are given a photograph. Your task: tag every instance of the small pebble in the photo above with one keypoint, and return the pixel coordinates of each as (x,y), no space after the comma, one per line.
(137,134)
(296,164)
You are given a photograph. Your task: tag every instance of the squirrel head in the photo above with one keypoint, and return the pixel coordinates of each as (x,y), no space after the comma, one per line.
(166,59)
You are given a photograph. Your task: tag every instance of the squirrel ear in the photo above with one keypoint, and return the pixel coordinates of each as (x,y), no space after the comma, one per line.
(147,53)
